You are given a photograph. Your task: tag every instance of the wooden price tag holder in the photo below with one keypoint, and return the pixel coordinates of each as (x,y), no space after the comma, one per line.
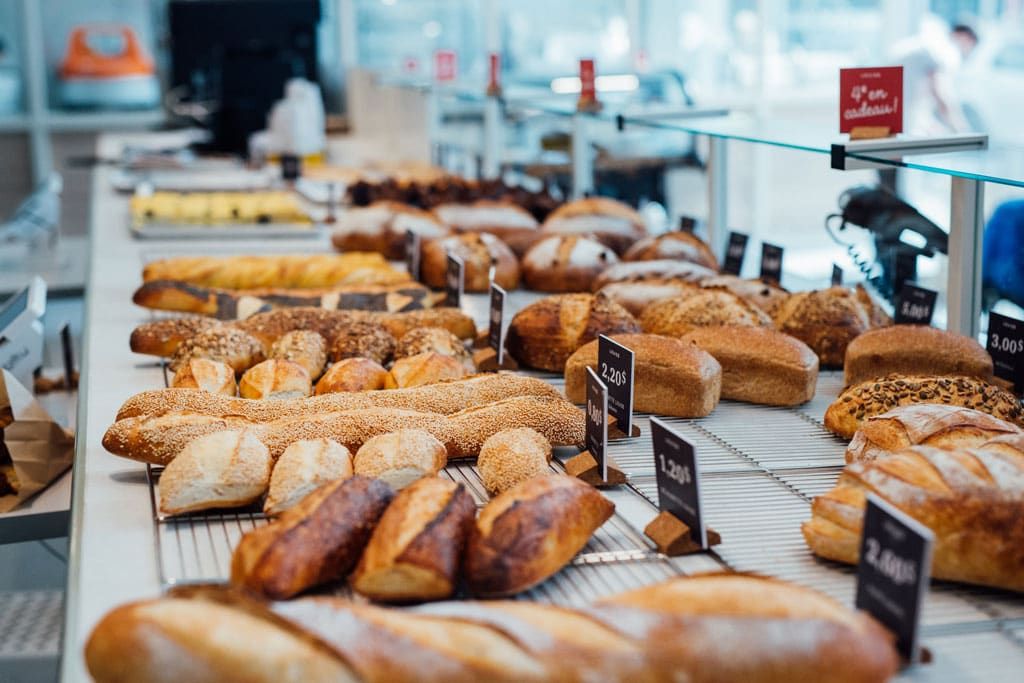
(486,360)
(615,433)
(672,536)
(584,467)
(870,132)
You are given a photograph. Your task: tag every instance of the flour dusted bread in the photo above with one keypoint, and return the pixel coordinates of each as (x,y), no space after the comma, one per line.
(305,347)
(381,227)
(759,364)
(478,251)
(303,467)
(224,469)
(675,317)
(415,551)
(765,295)
(613,223)
(429,367)
(682,246)
(670,377)
(544,334)
(914,350)
(401,457)
(275,379)
(827,320)
(925,424)
(512,456)
(206,375)
(636,296)
(509,222)
(353,374)
(565,263)
(641,271)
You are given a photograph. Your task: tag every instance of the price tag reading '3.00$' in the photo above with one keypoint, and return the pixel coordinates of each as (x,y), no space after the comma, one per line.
(1006,346)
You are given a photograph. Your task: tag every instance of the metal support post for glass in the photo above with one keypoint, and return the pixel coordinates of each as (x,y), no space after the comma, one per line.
(966,228)
(434,125)
(492,138)
(718,194)
(582,157)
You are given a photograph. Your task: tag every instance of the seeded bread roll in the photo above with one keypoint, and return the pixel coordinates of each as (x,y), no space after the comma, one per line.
(874,397)
(531,531)
(544,334)
(914,350)
(478,251)
(401,457)
(636,296)
(220,470)
(353,374)
(363,340)
(225,344)
(512,456)
(924,424)
(435,339)
(642,271)
(307,348)
(425,368)
(275,379)
(415,551)
(682,246)
(565,263)
(163,337)
(669,377)
(760,365)
(712,308)
(613,223)
(765,295)
(381,227)
(304,466)
(315,542)
(206,375)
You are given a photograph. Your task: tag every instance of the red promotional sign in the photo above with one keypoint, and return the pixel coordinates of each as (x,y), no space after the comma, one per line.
(871,98)
(445,65)
(493,73)
(588,89)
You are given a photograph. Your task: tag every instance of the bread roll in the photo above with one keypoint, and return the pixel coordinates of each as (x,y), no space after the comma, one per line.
(415,551)
(220,470)
(163,337)
(425,368)
(225,344)
(381,227)
(478,251)
(914,350)
(363,340)
(275,379)
(924,424)
(304,466)
(613,223)
(682,246)
(530,531)
(971,499)
(669,377)
(433,339)
(206,375)
(828,320)
(641,271)
(765,295)
(307,348)
(636,296)
(675,317)
(544,334)
(276,270)
(317,541)
(353,374)
(512,456)
(759,364)
(401,457)
(512,224)
(565,263)
(874,397)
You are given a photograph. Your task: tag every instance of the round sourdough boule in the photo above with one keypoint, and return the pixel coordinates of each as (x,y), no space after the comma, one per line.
(675,317)
(682,246)
(544,334)
(612,222)
(363,340)
(433,339)
(224,343)
(478,251)
(512,456)
(206,375)
(401,457)
(425,368)
(565,263)
(353,374)
(305,347)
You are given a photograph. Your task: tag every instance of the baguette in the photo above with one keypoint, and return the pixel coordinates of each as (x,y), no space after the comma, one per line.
(291,271)
(874,397)
(276,380)
(924,424)
(206,375)
(972,499)
(316,542)
(219,470)
(232,304)
(304,466)
(446,397)
(914,350)
(531,531)
(401,457)
(415,550)
(512,456)
(559,421)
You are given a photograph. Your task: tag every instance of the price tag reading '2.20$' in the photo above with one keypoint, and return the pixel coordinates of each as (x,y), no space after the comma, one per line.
(597,421)
(915,305)
(615,366)
(454,282)
(1006,346)
(675,466)
(893,571)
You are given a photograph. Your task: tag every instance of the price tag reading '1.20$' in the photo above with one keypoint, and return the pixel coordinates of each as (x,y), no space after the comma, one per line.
(615,366)
(893,571)
(1006,346)
(915,305)
(597,421)
(675,466)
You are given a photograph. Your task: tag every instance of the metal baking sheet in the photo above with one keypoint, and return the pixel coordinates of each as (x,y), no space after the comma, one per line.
(167,231)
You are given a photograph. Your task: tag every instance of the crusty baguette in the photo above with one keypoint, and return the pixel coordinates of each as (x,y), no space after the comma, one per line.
(278,270)
(874,397)
(512,456)
(972,499)
(401,457)
(304,466)
(206,375)
(316,542)
(446,398)
(559,421)
(924,424)
(275,379)
(914,350)
(415,551)
(531,531)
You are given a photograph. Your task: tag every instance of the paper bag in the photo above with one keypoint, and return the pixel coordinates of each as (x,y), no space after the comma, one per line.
(34,450)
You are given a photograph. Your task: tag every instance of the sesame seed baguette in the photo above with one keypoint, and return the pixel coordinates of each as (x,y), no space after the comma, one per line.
(444,397)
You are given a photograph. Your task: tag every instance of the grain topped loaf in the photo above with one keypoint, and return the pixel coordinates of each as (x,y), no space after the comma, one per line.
(675,317)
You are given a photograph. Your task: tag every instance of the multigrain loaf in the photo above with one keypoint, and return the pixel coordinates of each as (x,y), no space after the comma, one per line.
(827,320)
(206,375)
(759,364)
(682,246)
(765,295)
(565,263)
(479,253)
(363,340)
(512,456)
(436,339)
(544,334)
(670,377)
(400,457)
(914,350)
(305,347)
(677,316)
(353,374)
(224,344)
(275,379)
(636,296)
(303,467)
(641,271)
(163,337)
(924,424)
(874,397)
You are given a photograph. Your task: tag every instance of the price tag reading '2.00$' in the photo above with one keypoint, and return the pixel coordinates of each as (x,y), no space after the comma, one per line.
(675,466)
(615,366)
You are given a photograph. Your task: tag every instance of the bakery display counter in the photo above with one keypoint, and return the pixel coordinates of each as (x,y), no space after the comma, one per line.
(760,468)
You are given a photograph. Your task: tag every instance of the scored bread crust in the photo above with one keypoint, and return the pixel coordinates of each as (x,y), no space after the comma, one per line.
(402,454)
(305,347)
(765,295)
(380,227)
(205,374)
(827,320)
(425,368)
(565,263)
(636,296)
(512,456)
(683,246)
(353,375)
(613,222)
(275,379)
(914,350)
(304,466)
(478,251)
(677,316)
(643,271)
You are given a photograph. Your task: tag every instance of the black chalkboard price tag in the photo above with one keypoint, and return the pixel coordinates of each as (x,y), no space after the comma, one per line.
(68,353)
(597,421)
(675,466)
(893,571)
(735,250)
(454,281)
(412,253)
(771,263)
(495,327)
(688,224)
(837,276)
(1006,346)
(915,305)
(291,166)
(615,364)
